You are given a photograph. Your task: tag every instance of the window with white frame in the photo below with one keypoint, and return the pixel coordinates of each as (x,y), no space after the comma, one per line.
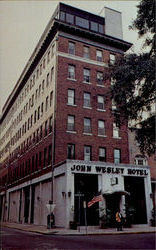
(87,153)
(99,55)
(100,102)
(71,96)
(86,75)
(115,130)
(71,48)
(112,59)
(102,154)
(71,123)
(87,100)
(117,156)
(87,125)
(101,127)
(86,52)
(71,71)
(140,160)
(100,79)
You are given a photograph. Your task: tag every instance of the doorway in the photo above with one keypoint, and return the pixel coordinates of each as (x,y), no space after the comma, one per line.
(32,203)
(136,200)
(87,186)
(26,204)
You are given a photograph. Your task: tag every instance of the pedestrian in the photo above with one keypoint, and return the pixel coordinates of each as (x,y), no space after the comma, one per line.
(119,220)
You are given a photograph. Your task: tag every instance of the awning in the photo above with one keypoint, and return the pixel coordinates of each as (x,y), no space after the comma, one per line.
(121,192)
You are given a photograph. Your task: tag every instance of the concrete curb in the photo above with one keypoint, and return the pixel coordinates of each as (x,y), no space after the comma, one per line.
(56,232)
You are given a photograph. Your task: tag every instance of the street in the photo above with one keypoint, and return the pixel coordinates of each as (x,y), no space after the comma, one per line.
(17,239)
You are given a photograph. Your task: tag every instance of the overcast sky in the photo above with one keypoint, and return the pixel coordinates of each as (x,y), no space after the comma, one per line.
(23,22)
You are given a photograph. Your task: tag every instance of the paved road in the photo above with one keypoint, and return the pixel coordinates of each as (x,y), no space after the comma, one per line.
(19,240)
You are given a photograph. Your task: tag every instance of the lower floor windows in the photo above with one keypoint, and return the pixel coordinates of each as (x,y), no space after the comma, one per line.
(117,156)
(87,153)
(102,154)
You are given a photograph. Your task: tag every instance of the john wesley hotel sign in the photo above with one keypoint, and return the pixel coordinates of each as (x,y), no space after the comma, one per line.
(82,168)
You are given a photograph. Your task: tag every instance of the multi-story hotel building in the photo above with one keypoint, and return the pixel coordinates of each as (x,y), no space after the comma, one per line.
(58,135)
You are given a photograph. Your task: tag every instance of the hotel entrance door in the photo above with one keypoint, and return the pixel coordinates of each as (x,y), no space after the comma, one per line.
(87,186)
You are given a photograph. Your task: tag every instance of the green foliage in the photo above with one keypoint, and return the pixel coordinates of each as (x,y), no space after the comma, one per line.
(136,72)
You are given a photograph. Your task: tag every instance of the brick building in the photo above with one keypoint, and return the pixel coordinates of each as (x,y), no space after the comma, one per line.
(58,137)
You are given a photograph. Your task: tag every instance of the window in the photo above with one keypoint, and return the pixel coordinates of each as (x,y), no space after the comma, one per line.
(45,157)
(36,95)
(86,52)
(86,75)
(140,160)
(40,69)
(40,131)
(102,154)
(114,107)
(35,116)
(84,23)
(87,125)
(99,55)
(100,103)
(38,112)
(50,124)
(50,154)
(39,91)
(94,26)
(71,48)
(52,73)
(87,100)
(100,80)
(101,30)
(117,156)
(47,79)
(42,108)
(62,16)
(87,153)
(71,96)
(101,127)
(46,128)
(71,123)
(42,86)
(32,101)
(44,63)
(71,151)
(52,50)
(112,59)
(51,98)
(36,165)
(48,57)
(69,18)
(71,72)
(40,158)
(115,130)
(47,100)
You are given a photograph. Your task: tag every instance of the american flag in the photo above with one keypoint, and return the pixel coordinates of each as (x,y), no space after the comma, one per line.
(95,199)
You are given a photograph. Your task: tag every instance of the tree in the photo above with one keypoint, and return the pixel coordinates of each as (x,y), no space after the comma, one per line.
(134,80)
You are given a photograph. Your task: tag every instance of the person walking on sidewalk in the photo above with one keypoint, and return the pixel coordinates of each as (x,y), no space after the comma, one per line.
(119,220)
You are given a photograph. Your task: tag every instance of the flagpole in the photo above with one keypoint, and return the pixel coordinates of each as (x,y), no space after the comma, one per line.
(85,213)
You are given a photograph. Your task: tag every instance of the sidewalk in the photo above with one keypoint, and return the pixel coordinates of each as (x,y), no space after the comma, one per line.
(82,231)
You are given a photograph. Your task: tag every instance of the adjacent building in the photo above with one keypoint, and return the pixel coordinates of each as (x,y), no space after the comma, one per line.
(59,141)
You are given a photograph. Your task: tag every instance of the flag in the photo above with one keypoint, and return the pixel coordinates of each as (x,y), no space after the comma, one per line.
(95,199)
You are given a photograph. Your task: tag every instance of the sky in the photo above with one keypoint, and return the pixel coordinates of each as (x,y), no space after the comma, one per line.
(23,22)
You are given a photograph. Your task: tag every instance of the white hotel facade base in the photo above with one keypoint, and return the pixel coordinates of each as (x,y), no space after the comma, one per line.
(117,182)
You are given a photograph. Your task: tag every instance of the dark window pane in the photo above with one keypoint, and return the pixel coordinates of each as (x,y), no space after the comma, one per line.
(82,22)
